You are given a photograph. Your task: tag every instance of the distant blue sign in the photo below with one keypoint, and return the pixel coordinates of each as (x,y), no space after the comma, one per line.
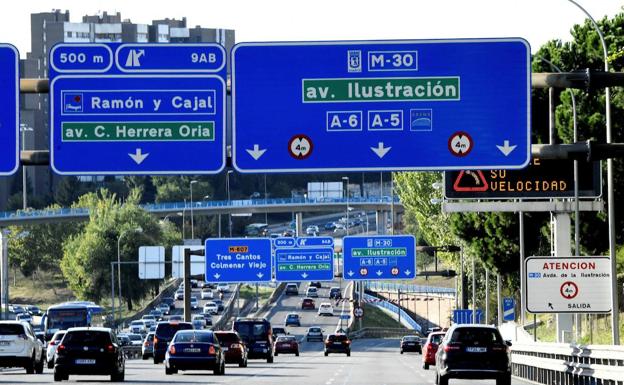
(9,114)
(379,257)
(107,120)
(455,104)
(509,309)
(464,316)
(309,259)
(238,260)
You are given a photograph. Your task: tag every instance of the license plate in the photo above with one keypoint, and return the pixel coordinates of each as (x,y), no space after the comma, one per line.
(284,345)
(83,361)
(337,343)
(476,349)
(5,343)
(225,349)
(192,350)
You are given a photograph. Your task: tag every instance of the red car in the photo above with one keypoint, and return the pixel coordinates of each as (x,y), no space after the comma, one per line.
(286,344)
(308,303)
(234,348)
(431,347)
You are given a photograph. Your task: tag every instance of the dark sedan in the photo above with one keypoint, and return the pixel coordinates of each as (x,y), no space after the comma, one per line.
(286,344)
(411,344)
(194,350)
(337,343)
(473,352)
(234,348)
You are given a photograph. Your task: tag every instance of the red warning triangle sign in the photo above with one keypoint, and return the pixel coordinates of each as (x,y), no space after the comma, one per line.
(470,180)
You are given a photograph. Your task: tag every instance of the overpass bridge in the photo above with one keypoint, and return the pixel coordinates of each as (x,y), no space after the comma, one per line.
(252,206)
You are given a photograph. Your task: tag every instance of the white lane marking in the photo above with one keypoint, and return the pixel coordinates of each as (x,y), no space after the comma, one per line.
(344,303)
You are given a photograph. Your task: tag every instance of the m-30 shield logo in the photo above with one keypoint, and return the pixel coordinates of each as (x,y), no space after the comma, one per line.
(354,63)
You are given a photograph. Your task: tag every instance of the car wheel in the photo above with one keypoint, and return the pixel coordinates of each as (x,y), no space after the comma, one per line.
(442,380)
(144,356)
(326,354)
(51,364)
(297,354)
(349,353)
(504,380)
(58,376)
(243,364)
(401,351)
(426,366)
(170,371)
(30,368)
(270,359)
(307,339)
(276,354)
(39,365)
(156,361)
(118,377)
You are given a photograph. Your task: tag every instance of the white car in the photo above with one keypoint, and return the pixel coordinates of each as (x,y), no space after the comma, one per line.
(223,287)
(138,327)
(325,308)
(52,345)
(164,308)
(312,230)
(20,347)
(179,295)
(211,308)
(135,339)
(207,293)
(26,317)
(312,292)
(194,303)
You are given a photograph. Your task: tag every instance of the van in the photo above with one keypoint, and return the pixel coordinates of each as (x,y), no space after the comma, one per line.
(257,334)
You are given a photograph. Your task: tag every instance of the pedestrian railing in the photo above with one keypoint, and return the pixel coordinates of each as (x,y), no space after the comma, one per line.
(394,309)
(410,288)
(563,364)
(379,333)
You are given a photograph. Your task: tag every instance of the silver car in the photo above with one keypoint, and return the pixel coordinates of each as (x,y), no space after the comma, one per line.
(52,345)
(147,350)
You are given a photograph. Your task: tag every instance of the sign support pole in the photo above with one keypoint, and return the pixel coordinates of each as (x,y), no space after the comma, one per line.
(113,291)
(4,273)
(563,247)
(187,285)
(499,313)
(474,291)
(487,296)
(522,272)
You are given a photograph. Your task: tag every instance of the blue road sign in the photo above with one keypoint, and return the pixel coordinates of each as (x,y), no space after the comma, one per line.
(105,121)
(304,259)
(379,257)
(385,105)
(464,316)
(509,309)
(238,260)
(9,114)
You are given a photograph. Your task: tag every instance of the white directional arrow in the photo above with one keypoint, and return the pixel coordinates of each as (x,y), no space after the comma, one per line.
(380,150)
(304,275)
(256,153)
(217,276)
(138,156)
(407,272)
(259,275)
(379,273)
(506,149)
(350,273)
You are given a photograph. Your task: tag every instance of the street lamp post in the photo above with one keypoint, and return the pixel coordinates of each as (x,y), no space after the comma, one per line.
(346,178)
(138,230)
(184,220)
(227,187)
(192,223)
(23,129)
(615,316)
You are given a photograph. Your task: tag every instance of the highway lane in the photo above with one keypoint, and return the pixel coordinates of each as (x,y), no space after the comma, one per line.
(372,362)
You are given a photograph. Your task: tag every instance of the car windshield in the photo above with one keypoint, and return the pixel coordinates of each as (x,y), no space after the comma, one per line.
(285,338)
(315,330)
(11,329)
(476,336)
(167,330)
(293,316)
(338,338)
(193,337)
(135,323)
(87,337)
(58,336)
(436,338)
(251,331)
(135,337)
(227,337)
(410,338)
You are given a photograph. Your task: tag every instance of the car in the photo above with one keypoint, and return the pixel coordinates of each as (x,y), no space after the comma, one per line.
(335,293)
(288,233)
(337,343)
(433,329)
(149,319)
(473,351)
(312,292)
(193,283)
(135,339)
(286,344)
(194,303)
(279,331)
(206,293)
(20,347)
(234,348)
(308,303)
(169,301)
(201,284)
(33,310)
(138,326)
(312,230)
(194,350)
(210,308)
(314,333)
(25,317)
(340,229)
(52,345)
(275,235)
(207,319)
(257,336)
(430,348)
(147,349)
(223,288)
(292,319)
(326,308)
(123,340)
(330,226)
(158,315)
(179,295)
(219,303)
(198,321)
(163,336)
(164,308)
(291,289)
(410,343)
(316,284)
(13,308)
(175,318)
(90,351)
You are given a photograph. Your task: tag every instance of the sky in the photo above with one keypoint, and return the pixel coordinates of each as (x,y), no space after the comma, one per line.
(537,21)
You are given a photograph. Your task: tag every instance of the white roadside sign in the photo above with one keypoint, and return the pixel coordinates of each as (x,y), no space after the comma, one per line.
(151,262)
(568,284)
(198,262)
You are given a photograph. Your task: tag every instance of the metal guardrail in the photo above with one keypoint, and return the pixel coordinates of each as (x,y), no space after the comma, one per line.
(379,333)
(179,206)
(409,289)
(562,364)
(228,310)
(395,309)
